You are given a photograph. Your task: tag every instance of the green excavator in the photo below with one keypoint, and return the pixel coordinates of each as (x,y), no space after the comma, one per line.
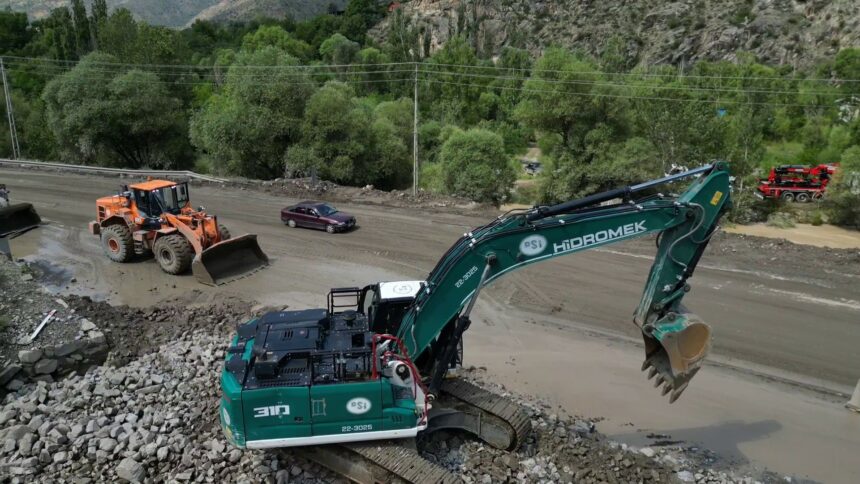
(375,363)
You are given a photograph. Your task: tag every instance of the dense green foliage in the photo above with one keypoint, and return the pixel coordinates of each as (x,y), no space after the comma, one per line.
(275,97)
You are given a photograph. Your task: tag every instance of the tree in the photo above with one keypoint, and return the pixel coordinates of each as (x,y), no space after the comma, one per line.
(347,142)
(359,16)
(560,98)
(475,166)
(249,126)
(455,94)
(276,36)
(83,38)
(843,194)
(14,31)
(338,50)
(127,119)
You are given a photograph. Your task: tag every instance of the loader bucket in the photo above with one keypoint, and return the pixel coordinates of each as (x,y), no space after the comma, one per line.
(17,218)
(229,260)
(675,348)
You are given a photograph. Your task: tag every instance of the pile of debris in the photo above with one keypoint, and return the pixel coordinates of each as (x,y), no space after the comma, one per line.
(153,418)
(149,413)
(570,449)
(369,195)
(43,337)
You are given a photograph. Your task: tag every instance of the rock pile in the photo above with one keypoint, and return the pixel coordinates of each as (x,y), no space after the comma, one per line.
(66,342)
(151,420)
(569,449)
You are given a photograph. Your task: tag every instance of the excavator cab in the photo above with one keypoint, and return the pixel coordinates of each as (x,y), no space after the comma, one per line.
(385,303)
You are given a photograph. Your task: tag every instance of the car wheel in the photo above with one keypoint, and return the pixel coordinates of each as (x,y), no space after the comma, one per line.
(291,223)
(787,196)
(802,197)
(329,228)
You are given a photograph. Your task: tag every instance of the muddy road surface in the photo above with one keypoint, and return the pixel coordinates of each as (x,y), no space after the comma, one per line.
(790,311)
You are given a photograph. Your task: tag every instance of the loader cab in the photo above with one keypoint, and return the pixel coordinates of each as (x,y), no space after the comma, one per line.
(158,196)
(385,303)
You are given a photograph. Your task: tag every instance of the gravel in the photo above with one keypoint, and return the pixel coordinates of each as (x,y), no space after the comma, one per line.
(149,414)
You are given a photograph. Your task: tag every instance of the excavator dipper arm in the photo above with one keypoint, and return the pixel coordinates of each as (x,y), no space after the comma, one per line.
(676,342)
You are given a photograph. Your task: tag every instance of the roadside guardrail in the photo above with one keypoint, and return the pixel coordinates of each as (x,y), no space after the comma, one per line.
(101,169)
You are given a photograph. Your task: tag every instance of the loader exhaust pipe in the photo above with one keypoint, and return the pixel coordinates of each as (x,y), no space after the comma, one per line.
(675,348)
(229,260)
(17,218)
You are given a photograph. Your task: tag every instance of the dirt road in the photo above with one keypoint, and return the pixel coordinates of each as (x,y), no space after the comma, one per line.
(804,326)
(760,311)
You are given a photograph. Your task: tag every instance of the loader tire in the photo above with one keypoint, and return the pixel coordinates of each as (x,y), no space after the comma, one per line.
(117,243)
(225,234)
(173,253)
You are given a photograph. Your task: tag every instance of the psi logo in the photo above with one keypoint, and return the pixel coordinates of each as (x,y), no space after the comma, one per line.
(533,245)
(358,406)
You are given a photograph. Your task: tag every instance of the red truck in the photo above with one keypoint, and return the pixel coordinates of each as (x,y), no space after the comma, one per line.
(797,183)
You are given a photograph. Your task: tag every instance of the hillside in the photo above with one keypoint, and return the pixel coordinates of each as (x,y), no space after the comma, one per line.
(792,32)
(179,13)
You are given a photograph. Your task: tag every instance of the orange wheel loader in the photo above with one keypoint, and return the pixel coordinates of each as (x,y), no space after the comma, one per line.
(157,217)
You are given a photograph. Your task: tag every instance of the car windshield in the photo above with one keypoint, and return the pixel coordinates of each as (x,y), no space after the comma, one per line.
(325,210)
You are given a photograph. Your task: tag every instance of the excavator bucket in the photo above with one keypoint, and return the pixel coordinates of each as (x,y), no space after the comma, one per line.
(17,218)
(229,260)
(675,348)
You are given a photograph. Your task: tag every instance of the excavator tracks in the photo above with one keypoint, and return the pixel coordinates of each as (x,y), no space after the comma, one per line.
(379,462)
(466,406)
(511,416)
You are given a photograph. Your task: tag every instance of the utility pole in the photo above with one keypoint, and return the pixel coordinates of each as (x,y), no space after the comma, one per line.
(16,150)
(415,138)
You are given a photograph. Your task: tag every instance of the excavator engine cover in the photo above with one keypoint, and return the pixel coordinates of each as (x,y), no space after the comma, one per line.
(18,217)
(229,260)
(675,347)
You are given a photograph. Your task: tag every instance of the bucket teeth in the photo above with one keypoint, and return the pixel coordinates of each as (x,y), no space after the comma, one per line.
(666,389)
(652,373)
(646,364)
(677,393)
(659,381)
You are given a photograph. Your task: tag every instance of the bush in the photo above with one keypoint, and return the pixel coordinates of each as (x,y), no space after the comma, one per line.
(475,166)
(816,218)
(747,208)
(431,178)
(782,220)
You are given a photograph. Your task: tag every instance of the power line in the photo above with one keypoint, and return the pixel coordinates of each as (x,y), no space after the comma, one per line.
(219,76)
(209,83)
(621,96)
(631,85)
(192,66)
(227,72)
(432,64)
(641,74)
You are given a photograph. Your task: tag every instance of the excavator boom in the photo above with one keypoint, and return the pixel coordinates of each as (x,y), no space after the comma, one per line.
(675,341)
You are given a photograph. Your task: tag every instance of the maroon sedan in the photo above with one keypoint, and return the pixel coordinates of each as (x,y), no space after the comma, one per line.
(317,215)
